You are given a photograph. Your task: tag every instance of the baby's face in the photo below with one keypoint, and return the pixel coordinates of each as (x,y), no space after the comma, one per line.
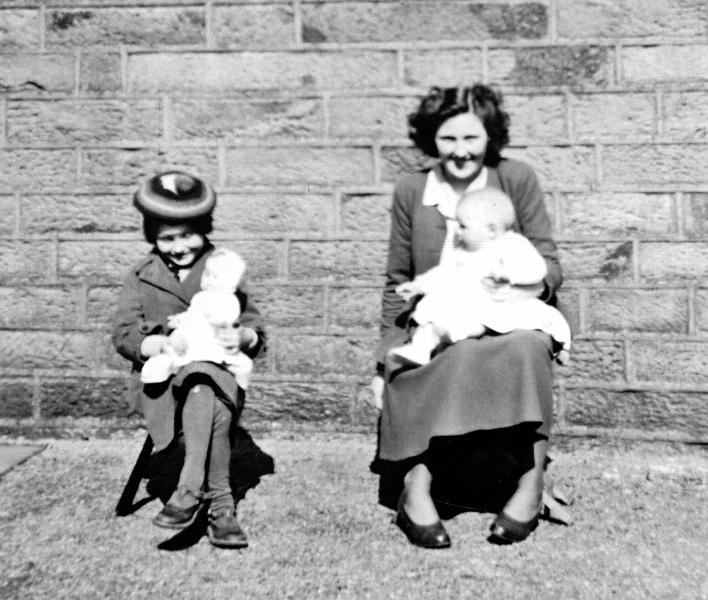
(477,230)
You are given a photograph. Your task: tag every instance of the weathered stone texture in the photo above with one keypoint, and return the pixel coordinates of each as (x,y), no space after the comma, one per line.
(565,167)
(368,214)
(664,311)
(231,119)
(659,164)
(415,21)
(702,311)
(426,68)
(19,29)
(37,169)
(319,355)
(218,73)
(613,116)
(609,215)
(255,26)
(696,214)
(595,360)
(265,259)
(16,398)
(127,166)
(37,73)
(82,121)
(337,260)
(363,116)
(653,413)
(126,26)
(598,262)
(84,397)
(8,215)
(664,63)
(270,213)
(685,115)
(298,165)
(537,118)
(101,305)
(397,161)
(290,305)
(355,308)
(680,362)
(25,350)
(631,18)
(100,73)
(669,262)
(81,213)
(552,65)
(99,261)
(569,305)
(52,307)
(27,261)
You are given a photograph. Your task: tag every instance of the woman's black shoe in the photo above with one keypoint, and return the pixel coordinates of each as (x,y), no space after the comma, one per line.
(425,536)
(174,517)
(224,531)
(505,530)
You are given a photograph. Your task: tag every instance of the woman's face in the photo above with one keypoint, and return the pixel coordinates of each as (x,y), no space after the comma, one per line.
(462,142)
(179,244)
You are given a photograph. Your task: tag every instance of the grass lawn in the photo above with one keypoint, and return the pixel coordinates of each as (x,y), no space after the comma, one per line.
(316,531)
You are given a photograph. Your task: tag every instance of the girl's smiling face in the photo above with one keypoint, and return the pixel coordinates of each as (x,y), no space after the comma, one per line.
(462,142)
(180,245)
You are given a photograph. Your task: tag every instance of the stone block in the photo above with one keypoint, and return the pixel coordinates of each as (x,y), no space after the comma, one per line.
(368,214)
(81,213)
(19,29)
(340,260)
(399,160)
(299,403)
(26,350)
(101,304)
(100,73)
(16,396)
(623,116)
(8,215)
(696,214)
(671,361)
(420,21)
(99,261)
(220,72)
(354,307)
(669,262)
(702,311)
(322,355)
(611,215)
(39,168)
(595,361)
(664,311)
(264,259)
(299,165)
(647,411)
(569,305)
(36,74)
(425,68)
(94,121)
(48,307)
(84,397)
(268,213)
(664,62)
(127,166)
(631,18)
(232,119)
(254,26)
(290,305)
(575,65)
(116,26)
(597,262)
(367,116)
(658,164)
(564,167)
(537,118)
(685,115)
(25,262)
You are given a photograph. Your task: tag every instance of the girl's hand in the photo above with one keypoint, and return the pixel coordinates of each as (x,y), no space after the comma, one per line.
(154,344)
(237,338)
(408,290)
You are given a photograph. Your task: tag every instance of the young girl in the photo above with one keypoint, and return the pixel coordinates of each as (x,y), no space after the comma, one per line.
(202,401)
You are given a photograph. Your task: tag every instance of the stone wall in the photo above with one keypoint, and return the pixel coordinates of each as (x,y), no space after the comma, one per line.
(295,110)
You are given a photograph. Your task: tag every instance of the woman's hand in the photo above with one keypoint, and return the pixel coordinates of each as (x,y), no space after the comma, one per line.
(373,394)
(500,290)
(155,344)
(408,290)
(237,338)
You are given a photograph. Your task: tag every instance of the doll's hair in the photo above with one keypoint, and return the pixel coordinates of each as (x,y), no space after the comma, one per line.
(440,104)
(489,202)
(151,226)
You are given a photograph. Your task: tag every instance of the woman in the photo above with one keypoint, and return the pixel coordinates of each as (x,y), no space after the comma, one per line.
(481,398)
(200,405)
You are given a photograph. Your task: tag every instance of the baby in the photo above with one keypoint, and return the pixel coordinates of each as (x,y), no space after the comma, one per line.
(456,305)
(194,336)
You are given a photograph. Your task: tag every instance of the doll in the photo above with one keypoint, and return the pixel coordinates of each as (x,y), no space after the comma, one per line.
(194,332)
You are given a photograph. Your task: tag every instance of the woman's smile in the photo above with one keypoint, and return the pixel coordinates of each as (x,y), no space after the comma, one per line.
(461,142)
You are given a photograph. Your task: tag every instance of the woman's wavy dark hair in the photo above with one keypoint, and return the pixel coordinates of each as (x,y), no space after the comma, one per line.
(151,226)
(442,103)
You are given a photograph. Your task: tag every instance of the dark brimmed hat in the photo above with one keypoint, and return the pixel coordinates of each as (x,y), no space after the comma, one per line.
(174,196)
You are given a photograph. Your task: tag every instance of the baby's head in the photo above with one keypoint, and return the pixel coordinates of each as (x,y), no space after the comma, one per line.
(483,216)
(223,271)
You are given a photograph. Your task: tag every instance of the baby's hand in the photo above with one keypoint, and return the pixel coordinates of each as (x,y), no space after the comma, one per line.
(408,290)
(174,321)
(155,344)
(179,344)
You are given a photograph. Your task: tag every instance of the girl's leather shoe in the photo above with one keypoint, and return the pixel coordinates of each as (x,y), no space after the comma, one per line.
(505,530)
(174,517)
(426,536)
(224,531)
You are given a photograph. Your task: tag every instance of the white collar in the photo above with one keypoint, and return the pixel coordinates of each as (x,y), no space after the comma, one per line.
(438,192)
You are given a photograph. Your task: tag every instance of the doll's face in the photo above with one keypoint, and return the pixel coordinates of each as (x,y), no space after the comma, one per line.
(180,245)
(219,277)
